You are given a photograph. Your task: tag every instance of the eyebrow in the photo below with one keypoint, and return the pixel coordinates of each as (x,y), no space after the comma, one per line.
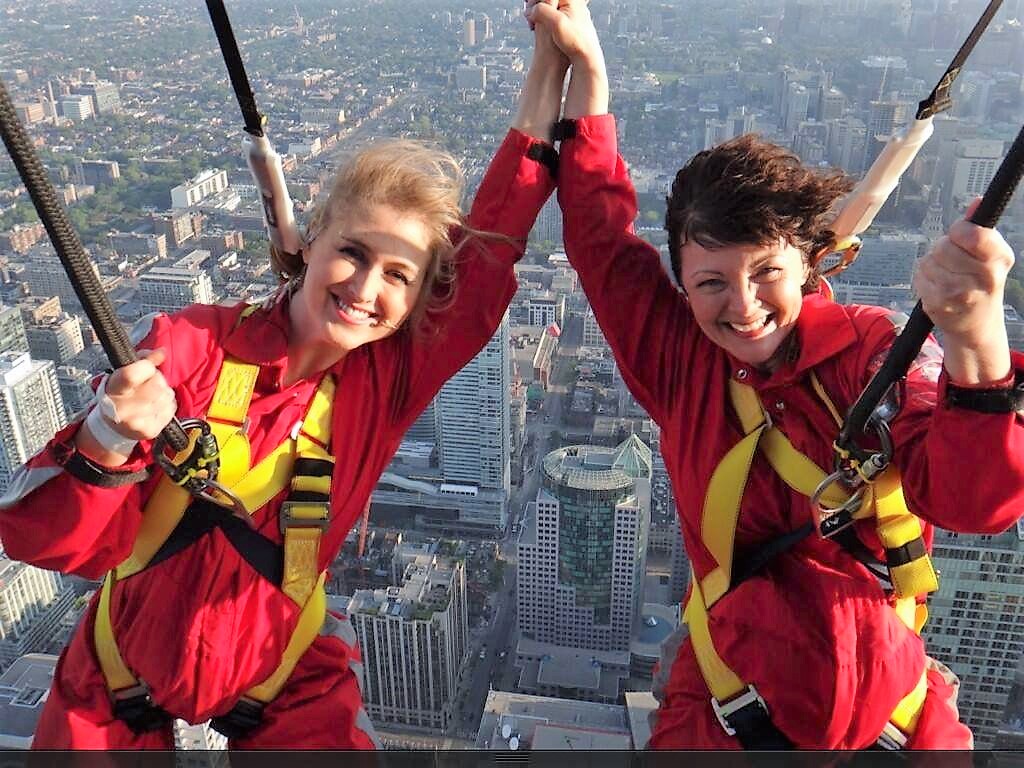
(408,263)
(760,262)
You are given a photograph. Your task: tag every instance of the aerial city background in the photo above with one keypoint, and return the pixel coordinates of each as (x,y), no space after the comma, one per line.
(524,539)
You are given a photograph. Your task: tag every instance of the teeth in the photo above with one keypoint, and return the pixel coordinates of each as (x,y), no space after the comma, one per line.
(756,325)
(348,309)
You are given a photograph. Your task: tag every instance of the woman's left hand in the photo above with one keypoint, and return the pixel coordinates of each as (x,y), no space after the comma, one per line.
(961,283)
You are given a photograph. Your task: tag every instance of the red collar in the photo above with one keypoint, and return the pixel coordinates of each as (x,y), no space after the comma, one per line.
(262,339)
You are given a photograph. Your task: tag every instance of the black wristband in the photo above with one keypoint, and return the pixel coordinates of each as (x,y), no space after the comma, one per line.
(82,468)
(563,129)
(546,155)
(1000,400)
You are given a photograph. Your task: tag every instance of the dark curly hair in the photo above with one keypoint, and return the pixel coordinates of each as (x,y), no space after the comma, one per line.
(747,191)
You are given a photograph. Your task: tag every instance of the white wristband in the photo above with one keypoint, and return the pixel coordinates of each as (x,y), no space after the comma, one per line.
(101,430)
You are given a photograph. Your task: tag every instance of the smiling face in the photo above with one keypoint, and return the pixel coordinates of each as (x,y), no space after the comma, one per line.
(746,298)
(365,271)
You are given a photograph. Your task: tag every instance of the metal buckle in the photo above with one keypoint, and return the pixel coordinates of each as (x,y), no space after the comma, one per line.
(735,704)
(286,520)
(892,738)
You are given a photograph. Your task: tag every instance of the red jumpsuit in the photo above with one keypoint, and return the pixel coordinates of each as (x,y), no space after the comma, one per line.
(203,627)
(814,633)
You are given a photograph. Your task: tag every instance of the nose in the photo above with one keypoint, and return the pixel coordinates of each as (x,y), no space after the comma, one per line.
(743,298)
(365,283)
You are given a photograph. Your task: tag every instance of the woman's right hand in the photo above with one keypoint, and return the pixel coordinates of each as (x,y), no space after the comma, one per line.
(143,404)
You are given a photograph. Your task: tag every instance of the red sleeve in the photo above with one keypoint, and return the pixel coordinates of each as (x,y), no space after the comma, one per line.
(507,203)
(52,520)
(962,470)
(643,316)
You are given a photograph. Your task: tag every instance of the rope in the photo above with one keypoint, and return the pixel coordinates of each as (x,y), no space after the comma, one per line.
(72,255)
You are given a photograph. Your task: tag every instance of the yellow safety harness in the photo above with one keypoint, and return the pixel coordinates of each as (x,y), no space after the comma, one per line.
(302,463)
(740,709)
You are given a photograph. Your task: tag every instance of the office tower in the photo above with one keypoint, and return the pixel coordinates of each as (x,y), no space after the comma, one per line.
(32,604)
(105,96)
(885,119)
(582,555)
(592,334)
(886,260)
(453,471)
(75,391)
(831,103)
(46,277)
(473,417)
(98,173)
(548,228)
(795,107)
(168,289)
(413,639)
(55,338)
(974,165)
(471,78)
(76,108)
(932,227)
(469,33)
(976,620)
(207,183)
(12,330)
(31,410)
(23,692)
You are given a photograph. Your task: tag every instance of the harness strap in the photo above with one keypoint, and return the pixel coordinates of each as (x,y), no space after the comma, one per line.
(740,709)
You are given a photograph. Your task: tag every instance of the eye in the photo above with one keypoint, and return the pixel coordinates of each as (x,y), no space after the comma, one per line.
(351,252)
(711,284)
(399,276)
(769,272)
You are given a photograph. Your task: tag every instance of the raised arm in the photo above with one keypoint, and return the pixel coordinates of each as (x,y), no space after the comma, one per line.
(518,182)
(643,316)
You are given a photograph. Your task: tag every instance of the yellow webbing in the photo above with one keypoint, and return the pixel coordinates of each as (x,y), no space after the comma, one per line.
(896,527)
(308,627)
(255,488)
(116,672)
(302,543)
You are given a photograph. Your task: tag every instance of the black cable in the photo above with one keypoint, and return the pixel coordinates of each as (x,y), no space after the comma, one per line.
(254,120)
(939,100)
(77,265)
(908,344)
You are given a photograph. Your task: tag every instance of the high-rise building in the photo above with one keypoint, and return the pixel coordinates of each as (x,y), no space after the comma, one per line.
(975,621)
(885,119)
(582,555)
(209,182)
(974,166)
(105,96)
(32,604)
(31,410)
(549,223)
(795,107)
(473,417)
(46,277)
(76,108)
(12,330)
(469,32)
(886,259)
(75,390)
(98,172)
(471,78)
(413,638)
(58,339)
(168,289)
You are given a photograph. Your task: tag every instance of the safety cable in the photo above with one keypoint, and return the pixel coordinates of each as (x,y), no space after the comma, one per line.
(908,344)
(939,100)
(254,120)
(77,265)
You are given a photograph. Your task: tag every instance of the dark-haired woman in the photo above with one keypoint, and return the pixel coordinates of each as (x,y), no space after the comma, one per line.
(748,369)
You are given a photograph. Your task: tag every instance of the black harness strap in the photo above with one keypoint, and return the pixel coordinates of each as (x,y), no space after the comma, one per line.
(265,556)
(254,120)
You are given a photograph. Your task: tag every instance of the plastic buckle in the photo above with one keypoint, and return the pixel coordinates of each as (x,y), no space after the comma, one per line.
(135,708)
(723,711)
(287,520)
(241,720)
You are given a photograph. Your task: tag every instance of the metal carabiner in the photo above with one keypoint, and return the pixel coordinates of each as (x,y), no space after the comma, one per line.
(831,520)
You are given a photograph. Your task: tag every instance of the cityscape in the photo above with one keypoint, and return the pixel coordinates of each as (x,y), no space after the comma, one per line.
(524,537)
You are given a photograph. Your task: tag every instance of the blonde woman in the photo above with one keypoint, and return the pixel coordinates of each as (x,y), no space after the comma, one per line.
(393,293)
